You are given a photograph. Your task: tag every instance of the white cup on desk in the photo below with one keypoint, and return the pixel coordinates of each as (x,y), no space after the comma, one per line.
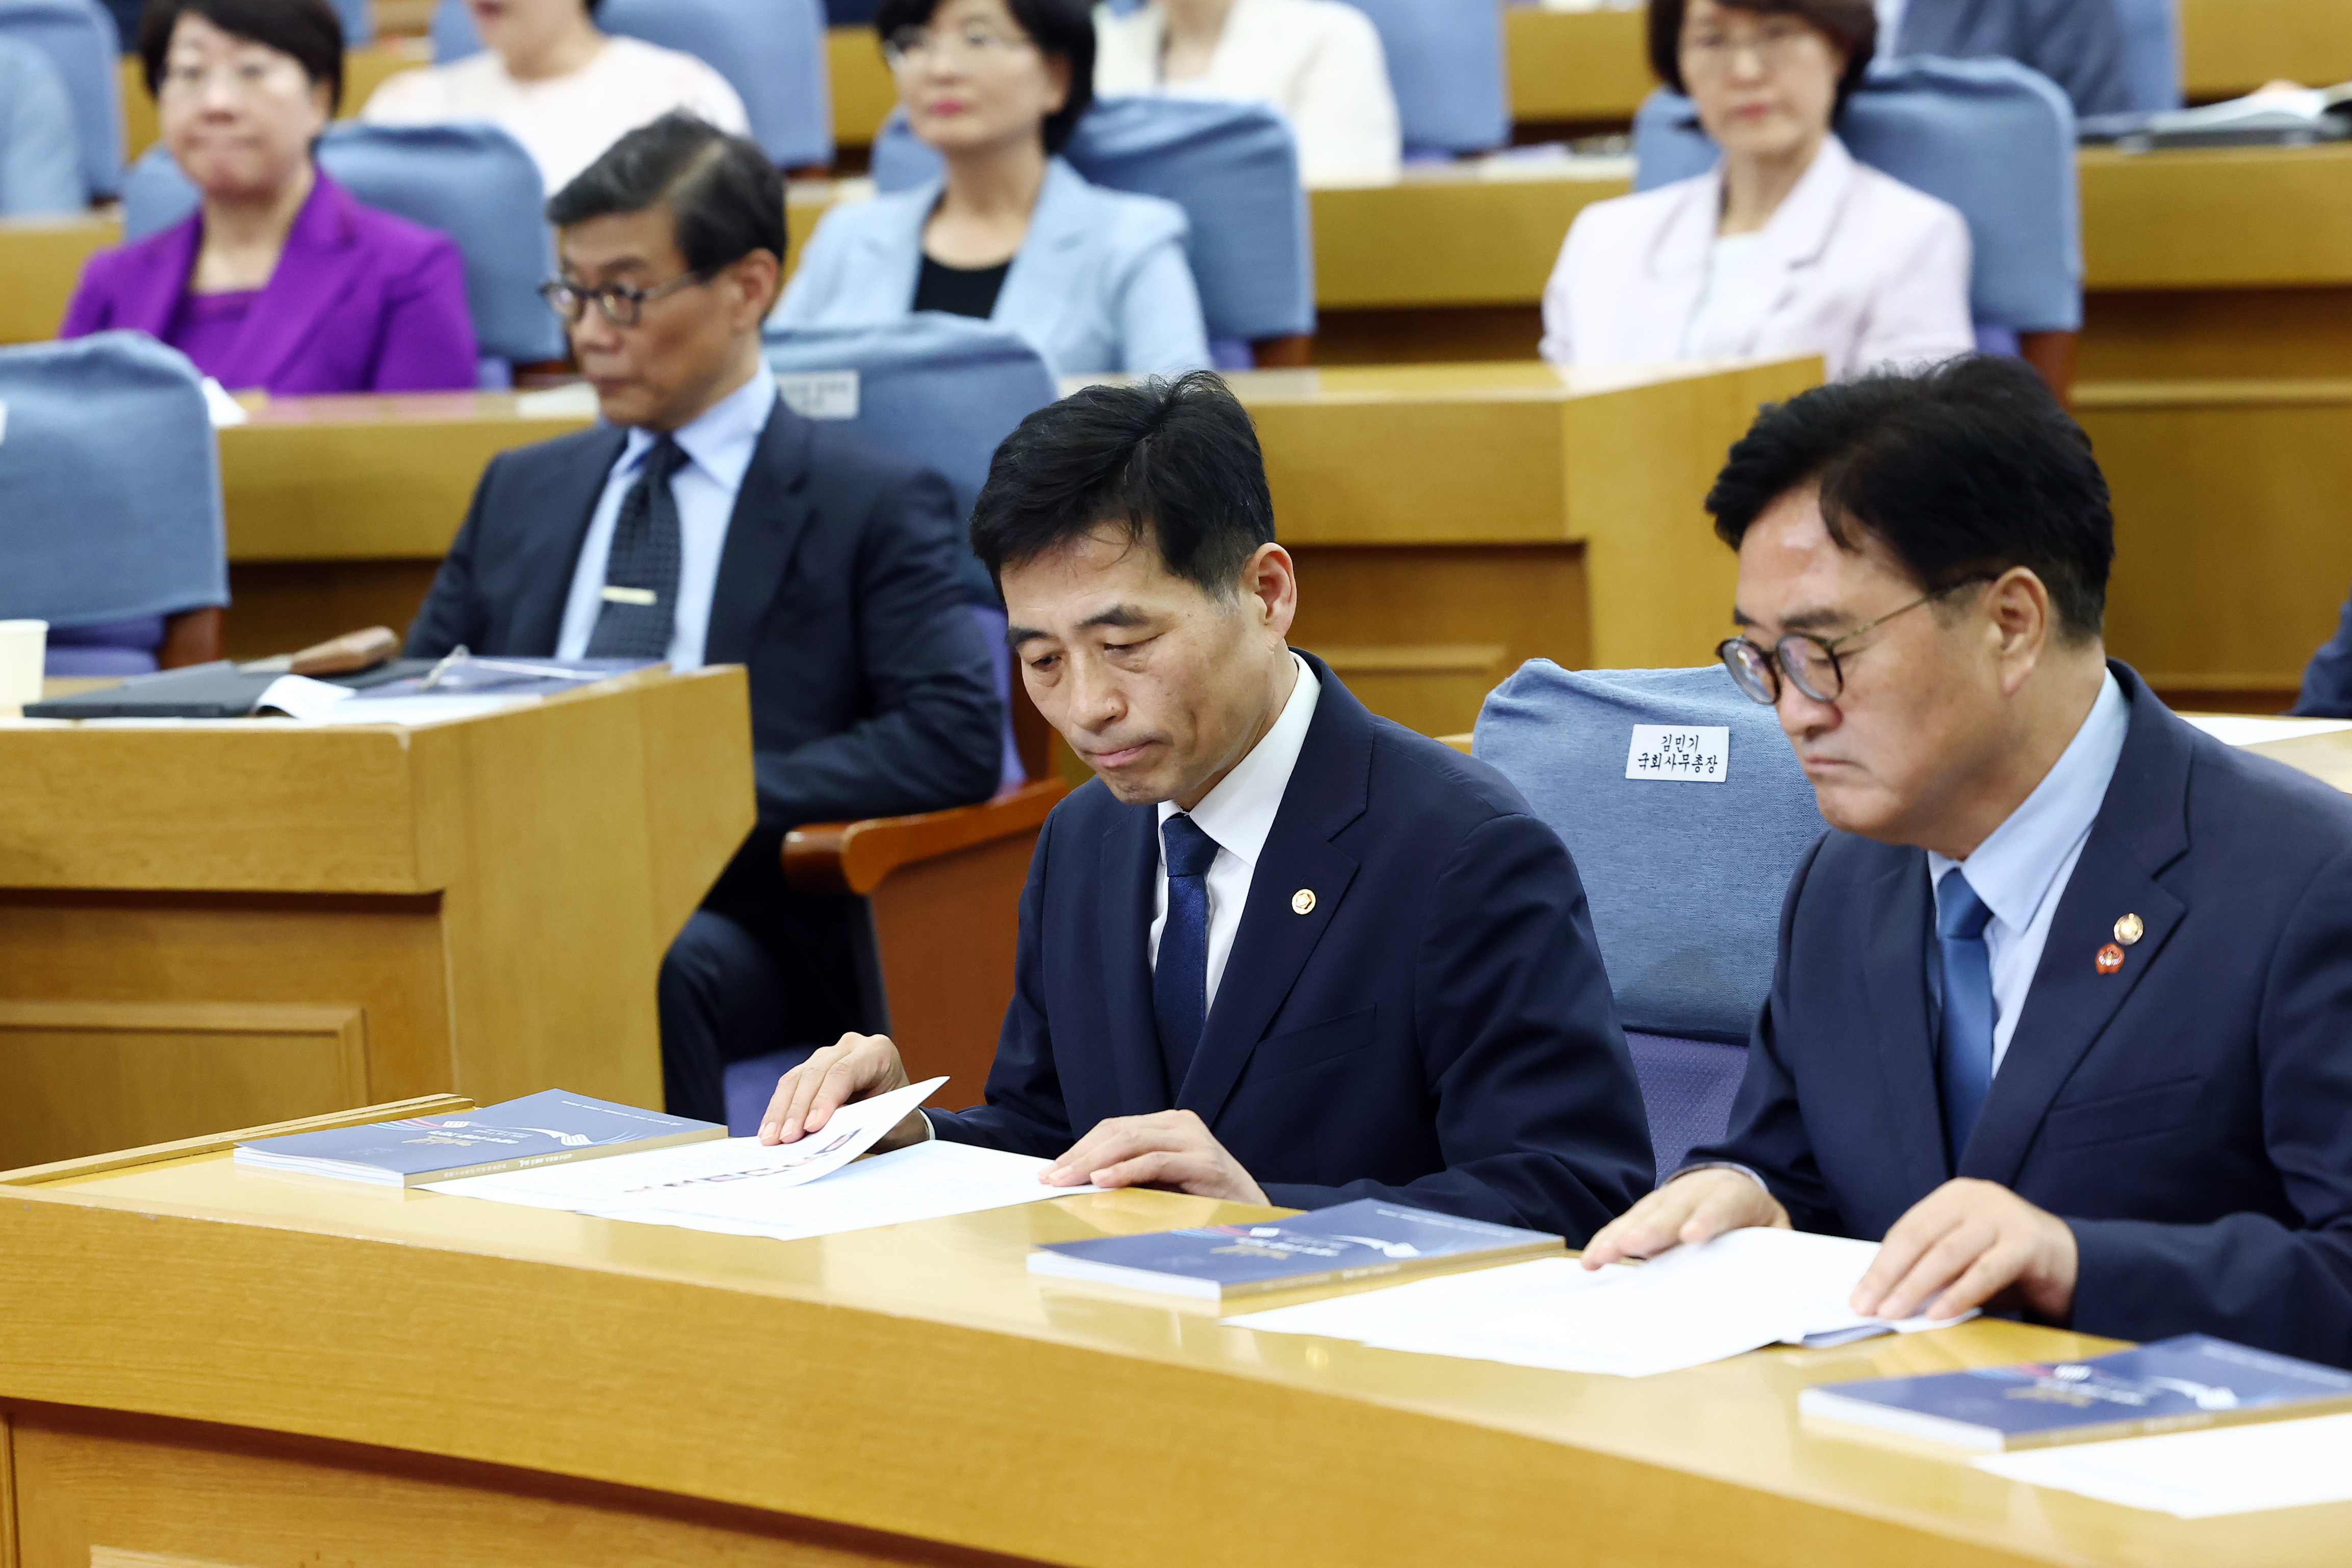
(23,646)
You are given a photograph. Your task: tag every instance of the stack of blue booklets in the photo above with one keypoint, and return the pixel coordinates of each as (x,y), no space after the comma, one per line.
(2169,1385)
(1354,1241)
(551,1128)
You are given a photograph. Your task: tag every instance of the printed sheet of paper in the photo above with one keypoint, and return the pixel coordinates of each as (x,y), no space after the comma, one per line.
(684,1174)
(2201,1475)
(1697,1304)
(2252,729)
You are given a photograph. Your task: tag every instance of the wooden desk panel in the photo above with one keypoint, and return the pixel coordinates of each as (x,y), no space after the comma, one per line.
(2233,46)
(40,263)
(371,1361)
(864,92)
(1577,68)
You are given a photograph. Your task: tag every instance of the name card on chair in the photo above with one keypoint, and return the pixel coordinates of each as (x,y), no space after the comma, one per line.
(819,394)
(1689,753)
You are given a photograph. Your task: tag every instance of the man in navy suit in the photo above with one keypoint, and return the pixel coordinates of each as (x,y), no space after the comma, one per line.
(1277,951)
(705,523)
(2063,1003)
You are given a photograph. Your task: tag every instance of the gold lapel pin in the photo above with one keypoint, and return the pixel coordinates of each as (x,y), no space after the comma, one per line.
(2110,959)
(2130,929)
(1303,902)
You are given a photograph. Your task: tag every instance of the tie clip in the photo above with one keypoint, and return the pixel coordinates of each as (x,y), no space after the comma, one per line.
(631,596)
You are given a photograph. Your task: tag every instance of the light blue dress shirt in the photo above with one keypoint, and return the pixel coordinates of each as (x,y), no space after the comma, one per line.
(719,447)
(2022,870)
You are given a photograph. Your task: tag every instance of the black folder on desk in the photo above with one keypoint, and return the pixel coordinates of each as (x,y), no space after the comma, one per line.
(222,689)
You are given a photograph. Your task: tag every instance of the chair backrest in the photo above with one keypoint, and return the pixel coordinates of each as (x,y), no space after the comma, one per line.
(771,52)
(1446,66)
(941,391)
(849,13)
(359,21)
(1233,167)
(2152,53)
(79,38)
(1993,138)
(473,183)
(112,477)
(40,154)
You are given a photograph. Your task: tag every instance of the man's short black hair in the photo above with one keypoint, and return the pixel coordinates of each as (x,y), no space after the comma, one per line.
(1062,29)
(726,198)
(1965,469)
(307,29)
(1173,462)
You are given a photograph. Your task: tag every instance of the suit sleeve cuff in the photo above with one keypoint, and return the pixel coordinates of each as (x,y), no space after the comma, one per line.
(1722,1166)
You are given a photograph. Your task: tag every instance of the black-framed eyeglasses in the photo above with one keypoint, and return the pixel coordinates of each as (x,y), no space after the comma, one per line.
(1810,662)
(622,304)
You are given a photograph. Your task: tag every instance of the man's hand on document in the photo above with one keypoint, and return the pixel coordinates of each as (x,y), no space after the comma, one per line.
(856,1067)
(1968,1244)
(1697,1206)
(1167,1149)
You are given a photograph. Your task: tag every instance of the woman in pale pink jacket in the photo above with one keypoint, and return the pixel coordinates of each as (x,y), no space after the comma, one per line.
(1788,245)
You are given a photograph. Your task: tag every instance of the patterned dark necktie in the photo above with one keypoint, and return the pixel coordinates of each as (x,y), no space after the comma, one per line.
(1966,1062)
(1179,981)
(640,608)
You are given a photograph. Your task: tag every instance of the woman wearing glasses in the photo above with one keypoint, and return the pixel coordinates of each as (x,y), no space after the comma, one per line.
(280,281)
(1788,245)
(1010,233)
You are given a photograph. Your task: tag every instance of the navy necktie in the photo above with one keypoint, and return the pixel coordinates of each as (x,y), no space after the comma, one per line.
(1179,981)
(1966,1064)
(643,565)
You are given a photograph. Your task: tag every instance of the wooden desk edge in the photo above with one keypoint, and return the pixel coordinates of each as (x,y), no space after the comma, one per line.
(221,1143)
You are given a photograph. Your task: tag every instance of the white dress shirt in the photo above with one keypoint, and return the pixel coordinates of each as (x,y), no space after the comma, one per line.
(564,122)
(1238,814)
(2022,870)
(719,447)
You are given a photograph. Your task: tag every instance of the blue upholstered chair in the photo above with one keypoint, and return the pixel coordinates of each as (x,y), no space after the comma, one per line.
(473,183)
(771,52)
(1993,138)
(40,152)
(359,21)
(1446,66)
(941,391)
(1686,878)
(1233,167)
(78,37)
(113,530)
(2152,53)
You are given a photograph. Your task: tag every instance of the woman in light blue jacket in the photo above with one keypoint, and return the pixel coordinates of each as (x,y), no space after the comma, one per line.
(1095,278)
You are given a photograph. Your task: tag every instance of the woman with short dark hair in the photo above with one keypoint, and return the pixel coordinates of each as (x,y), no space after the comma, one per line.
(1010,233)
(280,281)
(1788,245)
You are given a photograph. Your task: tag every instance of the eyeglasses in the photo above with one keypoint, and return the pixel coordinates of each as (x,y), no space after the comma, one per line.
(1775,44)
(1810,662)
(246,77)
(975,44)
(622,304)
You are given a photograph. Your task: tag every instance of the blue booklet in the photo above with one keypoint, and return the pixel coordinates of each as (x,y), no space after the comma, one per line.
(543,1129)
(1359,1240)
(2169,1385)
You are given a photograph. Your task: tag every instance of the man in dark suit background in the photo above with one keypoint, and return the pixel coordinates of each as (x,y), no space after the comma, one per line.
(704,522)
(1277,951)
(2078,44)
(2063,1003)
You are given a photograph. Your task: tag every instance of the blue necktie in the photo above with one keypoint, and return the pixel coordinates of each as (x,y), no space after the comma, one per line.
(1180,981)
(643,559)
(1966,1064)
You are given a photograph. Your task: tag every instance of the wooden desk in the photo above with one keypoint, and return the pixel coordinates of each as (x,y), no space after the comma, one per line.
(218,922)
(41,261)
(220,1366)
(1578,69)
(863,91)
(1443,516)
(2233,46)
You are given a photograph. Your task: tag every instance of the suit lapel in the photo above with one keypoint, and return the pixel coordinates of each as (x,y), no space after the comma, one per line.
(310,278)
(770,511)
(568,506)
(1898,984)
(1130,872)
(154,297)
(2142,827)
(1791,242)
(1329,789)
(1044,271)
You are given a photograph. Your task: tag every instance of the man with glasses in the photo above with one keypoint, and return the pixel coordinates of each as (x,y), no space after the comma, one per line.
(703,522)
(2062,1009)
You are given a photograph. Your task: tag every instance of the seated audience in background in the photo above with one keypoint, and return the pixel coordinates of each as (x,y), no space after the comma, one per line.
(547,78)
(280,280)
(1788,245)
(2327,679)
(1097,279)
(2078,44)
(2063,1010)
(1317,61)
(704,522)
(40,157)
(1277,951)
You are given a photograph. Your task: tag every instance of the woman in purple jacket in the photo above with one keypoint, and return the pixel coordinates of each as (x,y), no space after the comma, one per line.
(280,281)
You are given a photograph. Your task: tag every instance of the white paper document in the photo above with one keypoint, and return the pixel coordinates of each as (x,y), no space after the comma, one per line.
(2252,729)
(1694,1305)
(2201,1475)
